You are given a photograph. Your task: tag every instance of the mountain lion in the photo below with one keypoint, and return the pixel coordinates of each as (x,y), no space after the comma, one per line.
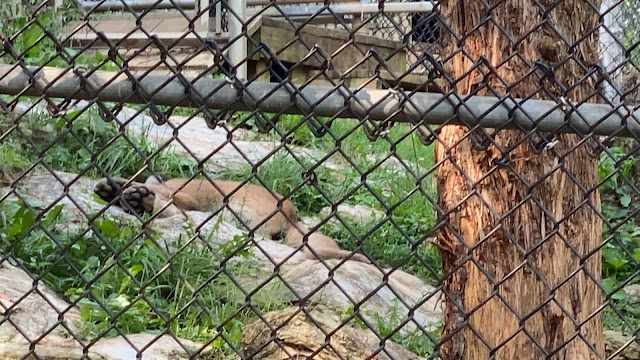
(257,205)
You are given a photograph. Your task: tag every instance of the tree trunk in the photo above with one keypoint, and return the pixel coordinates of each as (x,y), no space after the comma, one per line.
(521,224)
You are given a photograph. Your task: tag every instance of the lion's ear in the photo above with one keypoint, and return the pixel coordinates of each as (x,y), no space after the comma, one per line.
(153,180)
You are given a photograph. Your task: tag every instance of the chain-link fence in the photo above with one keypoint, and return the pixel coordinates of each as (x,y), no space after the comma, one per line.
(292,179)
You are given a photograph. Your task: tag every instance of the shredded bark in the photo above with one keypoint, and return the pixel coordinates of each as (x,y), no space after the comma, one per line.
(517,245)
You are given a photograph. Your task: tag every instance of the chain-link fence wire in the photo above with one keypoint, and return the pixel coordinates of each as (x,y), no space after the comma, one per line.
(307,222)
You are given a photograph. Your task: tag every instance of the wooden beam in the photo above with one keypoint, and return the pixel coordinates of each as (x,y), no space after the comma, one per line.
(139,38)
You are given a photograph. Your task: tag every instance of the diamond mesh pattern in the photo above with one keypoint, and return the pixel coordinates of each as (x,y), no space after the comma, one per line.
(361,180)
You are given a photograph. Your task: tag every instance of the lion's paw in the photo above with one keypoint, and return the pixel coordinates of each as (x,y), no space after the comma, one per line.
(135,198)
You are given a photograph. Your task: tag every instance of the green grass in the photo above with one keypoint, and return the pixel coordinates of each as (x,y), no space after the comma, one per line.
(132,289)
(399,243)
(84,143)
(388,326)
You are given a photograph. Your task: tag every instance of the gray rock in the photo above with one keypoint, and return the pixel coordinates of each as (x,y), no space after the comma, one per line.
(197,138)
(615,340)
(34,311)
(633,292)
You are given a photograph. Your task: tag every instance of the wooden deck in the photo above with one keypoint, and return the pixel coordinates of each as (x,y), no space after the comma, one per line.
(343,49)
(183,37)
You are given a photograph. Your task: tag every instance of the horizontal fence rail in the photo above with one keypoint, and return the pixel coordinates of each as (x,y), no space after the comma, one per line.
(335,102)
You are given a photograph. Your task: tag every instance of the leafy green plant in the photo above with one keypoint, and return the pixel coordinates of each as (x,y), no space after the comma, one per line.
(36,40)
(617,193)
(621,252)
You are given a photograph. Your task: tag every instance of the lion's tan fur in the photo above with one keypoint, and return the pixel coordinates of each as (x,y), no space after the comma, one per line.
(258,208)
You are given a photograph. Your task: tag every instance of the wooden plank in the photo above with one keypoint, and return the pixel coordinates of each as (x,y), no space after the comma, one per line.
(336,34)
(408,81)
(152,25)
(168,29)
(140,5)
(258,67)
(412,81)
(333,74)
(254,26)
(151,15)
(344,48)
(177,25)
(139,39)
(292,2)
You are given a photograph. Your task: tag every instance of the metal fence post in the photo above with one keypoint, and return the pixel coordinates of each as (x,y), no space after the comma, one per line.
(238,47)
